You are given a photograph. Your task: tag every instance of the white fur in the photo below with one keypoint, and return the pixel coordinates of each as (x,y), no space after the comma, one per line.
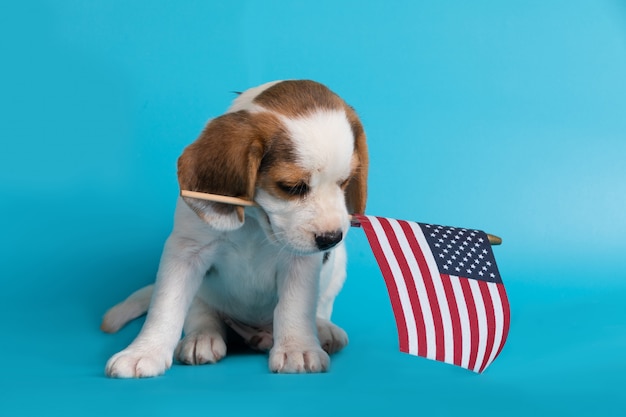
(265,279)
(244,101)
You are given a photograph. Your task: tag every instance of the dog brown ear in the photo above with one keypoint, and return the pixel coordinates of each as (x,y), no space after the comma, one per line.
(356,191)
(224,160)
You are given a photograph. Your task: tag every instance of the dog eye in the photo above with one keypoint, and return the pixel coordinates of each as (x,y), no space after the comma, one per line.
(300,189)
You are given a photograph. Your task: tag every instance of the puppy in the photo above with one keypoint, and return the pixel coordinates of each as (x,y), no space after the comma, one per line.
(270,272)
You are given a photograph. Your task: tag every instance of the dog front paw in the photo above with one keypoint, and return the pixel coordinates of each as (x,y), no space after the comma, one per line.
(288,360)
(138,363)
(200,348)
(332,337)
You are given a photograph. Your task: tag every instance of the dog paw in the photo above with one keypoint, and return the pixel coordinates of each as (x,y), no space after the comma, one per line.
(262,341)
(138,363)
(298,360)
(332,337)
(200,348)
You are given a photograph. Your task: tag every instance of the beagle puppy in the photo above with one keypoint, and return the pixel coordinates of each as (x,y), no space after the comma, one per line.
(270,272)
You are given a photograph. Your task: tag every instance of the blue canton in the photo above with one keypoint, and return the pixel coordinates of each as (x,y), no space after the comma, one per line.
(462,252)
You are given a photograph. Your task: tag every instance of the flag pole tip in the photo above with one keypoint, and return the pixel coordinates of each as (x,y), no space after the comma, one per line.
(494,240)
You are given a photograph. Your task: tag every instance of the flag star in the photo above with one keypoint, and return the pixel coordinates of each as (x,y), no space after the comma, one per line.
(445,267)
(481,256)
(492,275)
(449,262)
(457,252)
(465,259)
(473,249)
(484,268)
(477,245)
(473,266)
(449,246)
(441,255)
(427,225)
(461,264)
(437,245)
(485,251)
(481,240)
(457,269)
(441,240)
(433,235)
(481,273)
(488,263)
(472,234)
(453,257)
(445,251)
(469,271)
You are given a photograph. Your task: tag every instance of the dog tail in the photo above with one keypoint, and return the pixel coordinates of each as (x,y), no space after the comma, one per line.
(136,305)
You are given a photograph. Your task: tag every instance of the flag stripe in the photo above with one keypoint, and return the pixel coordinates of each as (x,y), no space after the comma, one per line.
(398,311)
(499,321)
(420,305)
(473,321)
(507,317)
(455,318)
(491,323)
(482,323)
(400,250)
(441,312)
(395,286)
(466,331)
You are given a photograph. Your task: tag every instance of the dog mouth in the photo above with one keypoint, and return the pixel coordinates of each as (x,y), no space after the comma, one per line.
(305,243)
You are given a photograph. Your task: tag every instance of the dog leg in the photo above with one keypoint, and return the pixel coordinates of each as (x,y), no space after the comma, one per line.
(296,346)
(180,274)
(205,336)
(136,305)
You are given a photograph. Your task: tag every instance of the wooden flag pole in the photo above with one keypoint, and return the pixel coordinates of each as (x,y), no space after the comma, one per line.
(494,240)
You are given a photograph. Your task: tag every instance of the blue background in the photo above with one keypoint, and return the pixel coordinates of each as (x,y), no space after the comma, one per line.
(504,116)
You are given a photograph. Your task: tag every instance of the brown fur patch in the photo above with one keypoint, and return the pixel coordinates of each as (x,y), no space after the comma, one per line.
(356,190)
(298,98)
(226,157)
(285,172)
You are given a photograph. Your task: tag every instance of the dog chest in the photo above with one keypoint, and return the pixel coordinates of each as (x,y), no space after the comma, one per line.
(242,282)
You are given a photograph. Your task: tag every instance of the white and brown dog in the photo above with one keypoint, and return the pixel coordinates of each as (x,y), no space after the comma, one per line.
(271,272)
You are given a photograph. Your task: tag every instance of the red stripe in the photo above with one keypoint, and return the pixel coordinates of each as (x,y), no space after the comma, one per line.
(409,280)
(392,289)
(491,323)
(440,349)
(457,337)
(507,316)
(473,321)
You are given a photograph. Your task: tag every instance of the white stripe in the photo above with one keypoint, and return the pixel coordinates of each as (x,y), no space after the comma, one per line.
(466,336)
(405,302)
(482,323)
(425,305)
(499,315)
(444,308)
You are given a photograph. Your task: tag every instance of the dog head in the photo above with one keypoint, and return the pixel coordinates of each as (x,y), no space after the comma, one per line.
(295,148)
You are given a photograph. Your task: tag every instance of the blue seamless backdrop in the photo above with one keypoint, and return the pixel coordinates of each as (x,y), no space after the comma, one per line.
(504,116)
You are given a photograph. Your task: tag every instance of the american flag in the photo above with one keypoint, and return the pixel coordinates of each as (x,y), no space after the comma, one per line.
(445,289)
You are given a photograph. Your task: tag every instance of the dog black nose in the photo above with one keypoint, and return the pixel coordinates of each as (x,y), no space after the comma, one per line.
(326,241)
